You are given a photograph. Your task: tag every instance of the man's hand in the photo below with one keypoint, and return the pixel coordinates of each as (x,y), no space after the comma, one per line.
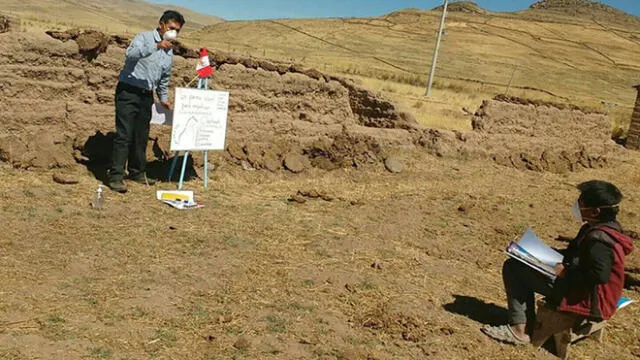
(167,104)
(560,270)
(165,44)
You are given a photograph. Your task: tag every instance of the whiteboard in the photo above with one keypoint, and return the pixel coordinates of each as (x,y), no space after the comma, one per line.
(199,120)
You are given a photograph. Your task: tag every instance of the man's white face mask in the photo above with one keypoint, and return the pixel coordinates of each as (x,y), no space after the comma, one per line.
(170,35)
(575,210)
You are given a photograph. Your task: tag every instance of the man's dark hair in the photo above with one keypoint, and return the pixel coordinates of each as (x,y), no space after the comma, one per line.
(603,195)
(172,15)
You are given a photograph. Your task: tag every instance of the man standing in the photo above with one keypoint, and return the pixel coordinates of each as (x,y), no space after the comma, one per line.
(147,67)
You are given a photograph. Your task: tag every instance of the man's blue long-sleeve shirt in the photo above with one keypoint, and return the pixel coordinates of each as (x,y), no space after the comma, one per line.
(146,66)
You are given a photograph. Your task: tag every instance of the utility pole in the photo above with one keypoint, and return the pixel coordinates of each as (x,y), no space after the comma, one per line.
(435,52)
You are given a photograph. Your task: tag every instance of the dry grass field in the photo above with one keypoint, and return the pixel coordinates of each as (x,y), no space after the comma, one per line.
(576,59)
(374,266)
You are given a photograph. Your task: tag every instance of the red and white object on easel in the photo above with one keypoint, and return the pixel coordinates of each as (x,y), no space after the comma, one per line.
(204,68)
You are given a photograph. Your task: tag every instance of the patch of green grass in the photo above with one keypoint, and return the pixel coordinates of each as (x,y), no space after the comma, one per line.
(96,215)
(275,324)
(166,337)
(367,285)
(301,308)
(200,314)
(56,319)
(234,330)
(54,328)
(235,241)
(100,353)
(29,213)
(308,283)
(139,312)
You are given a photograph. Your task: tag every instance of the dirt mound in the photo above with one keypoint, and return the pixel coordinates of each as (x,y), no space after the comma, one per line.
(332,123)
(538,119)
(91,43)
(464,7)
(537,102)
(530,135)
(38,149)
(278,112)
(281,116)
(544,137)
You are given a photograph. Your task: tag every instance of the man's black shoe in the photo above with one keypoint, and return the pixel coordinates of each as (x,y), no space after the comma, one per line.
(142,179)
(118,186)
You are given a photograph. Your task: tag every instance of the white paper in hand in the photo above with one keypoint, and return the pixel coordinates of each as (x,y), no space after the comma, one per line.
(160,115)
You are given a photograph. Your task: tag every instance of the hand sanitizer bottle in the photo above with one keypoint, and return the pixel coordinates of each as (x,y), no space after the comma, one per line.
(98,201)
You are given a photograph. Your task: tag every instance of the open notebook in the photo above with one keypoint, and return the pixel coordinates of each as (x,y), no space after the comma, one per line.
(533,252)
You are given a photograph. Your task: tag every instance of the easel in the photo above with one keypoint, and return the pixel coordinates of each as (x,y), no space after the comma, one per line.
(203,83)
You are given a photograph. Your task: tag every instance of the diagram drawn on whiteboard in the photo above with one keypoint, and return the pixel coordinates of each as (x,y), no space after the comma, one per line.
(187,131)
(199,120)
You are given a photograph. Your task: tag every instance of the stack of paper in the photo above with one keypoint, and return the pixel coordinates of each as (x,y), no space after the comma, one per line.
(160,115)
(533,252)
(178,199)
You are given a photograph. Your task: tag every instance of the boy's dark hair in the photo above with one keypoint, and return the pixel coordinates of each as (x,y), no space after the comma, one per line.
(172,15)
(603,195)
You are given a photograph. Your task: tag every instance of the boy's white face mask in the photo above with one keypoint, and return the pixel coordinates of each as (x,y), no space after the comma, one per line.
(170,35)
(575,210)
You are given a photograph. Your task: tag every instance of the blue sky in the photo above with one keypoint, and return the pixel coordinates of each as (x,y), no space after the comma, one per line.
(269,9)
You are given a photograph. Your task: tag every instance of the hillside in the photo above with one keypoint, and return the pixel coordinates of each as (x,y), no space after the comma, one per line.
(542,55)
(113,16)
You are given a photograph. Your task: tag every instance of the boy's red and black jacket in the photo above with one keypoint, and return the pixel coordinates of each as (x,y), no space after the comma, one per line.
(594,279)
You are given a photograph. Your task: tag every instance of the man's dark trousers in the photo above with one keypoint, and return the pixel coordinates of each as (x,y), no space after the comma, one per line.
(133,115)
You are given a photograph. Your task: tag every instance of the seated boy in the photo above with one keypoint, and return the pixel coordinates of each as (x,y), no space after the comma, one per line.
(590,279)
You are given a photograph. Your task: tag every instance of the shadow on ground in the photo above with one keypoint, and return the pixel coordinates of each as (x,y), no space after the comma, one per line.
(477,310)
(97,150)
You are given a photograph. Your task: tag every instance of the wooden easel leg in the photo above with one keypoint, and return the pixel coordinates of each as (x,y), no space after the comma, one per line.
(184,168)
